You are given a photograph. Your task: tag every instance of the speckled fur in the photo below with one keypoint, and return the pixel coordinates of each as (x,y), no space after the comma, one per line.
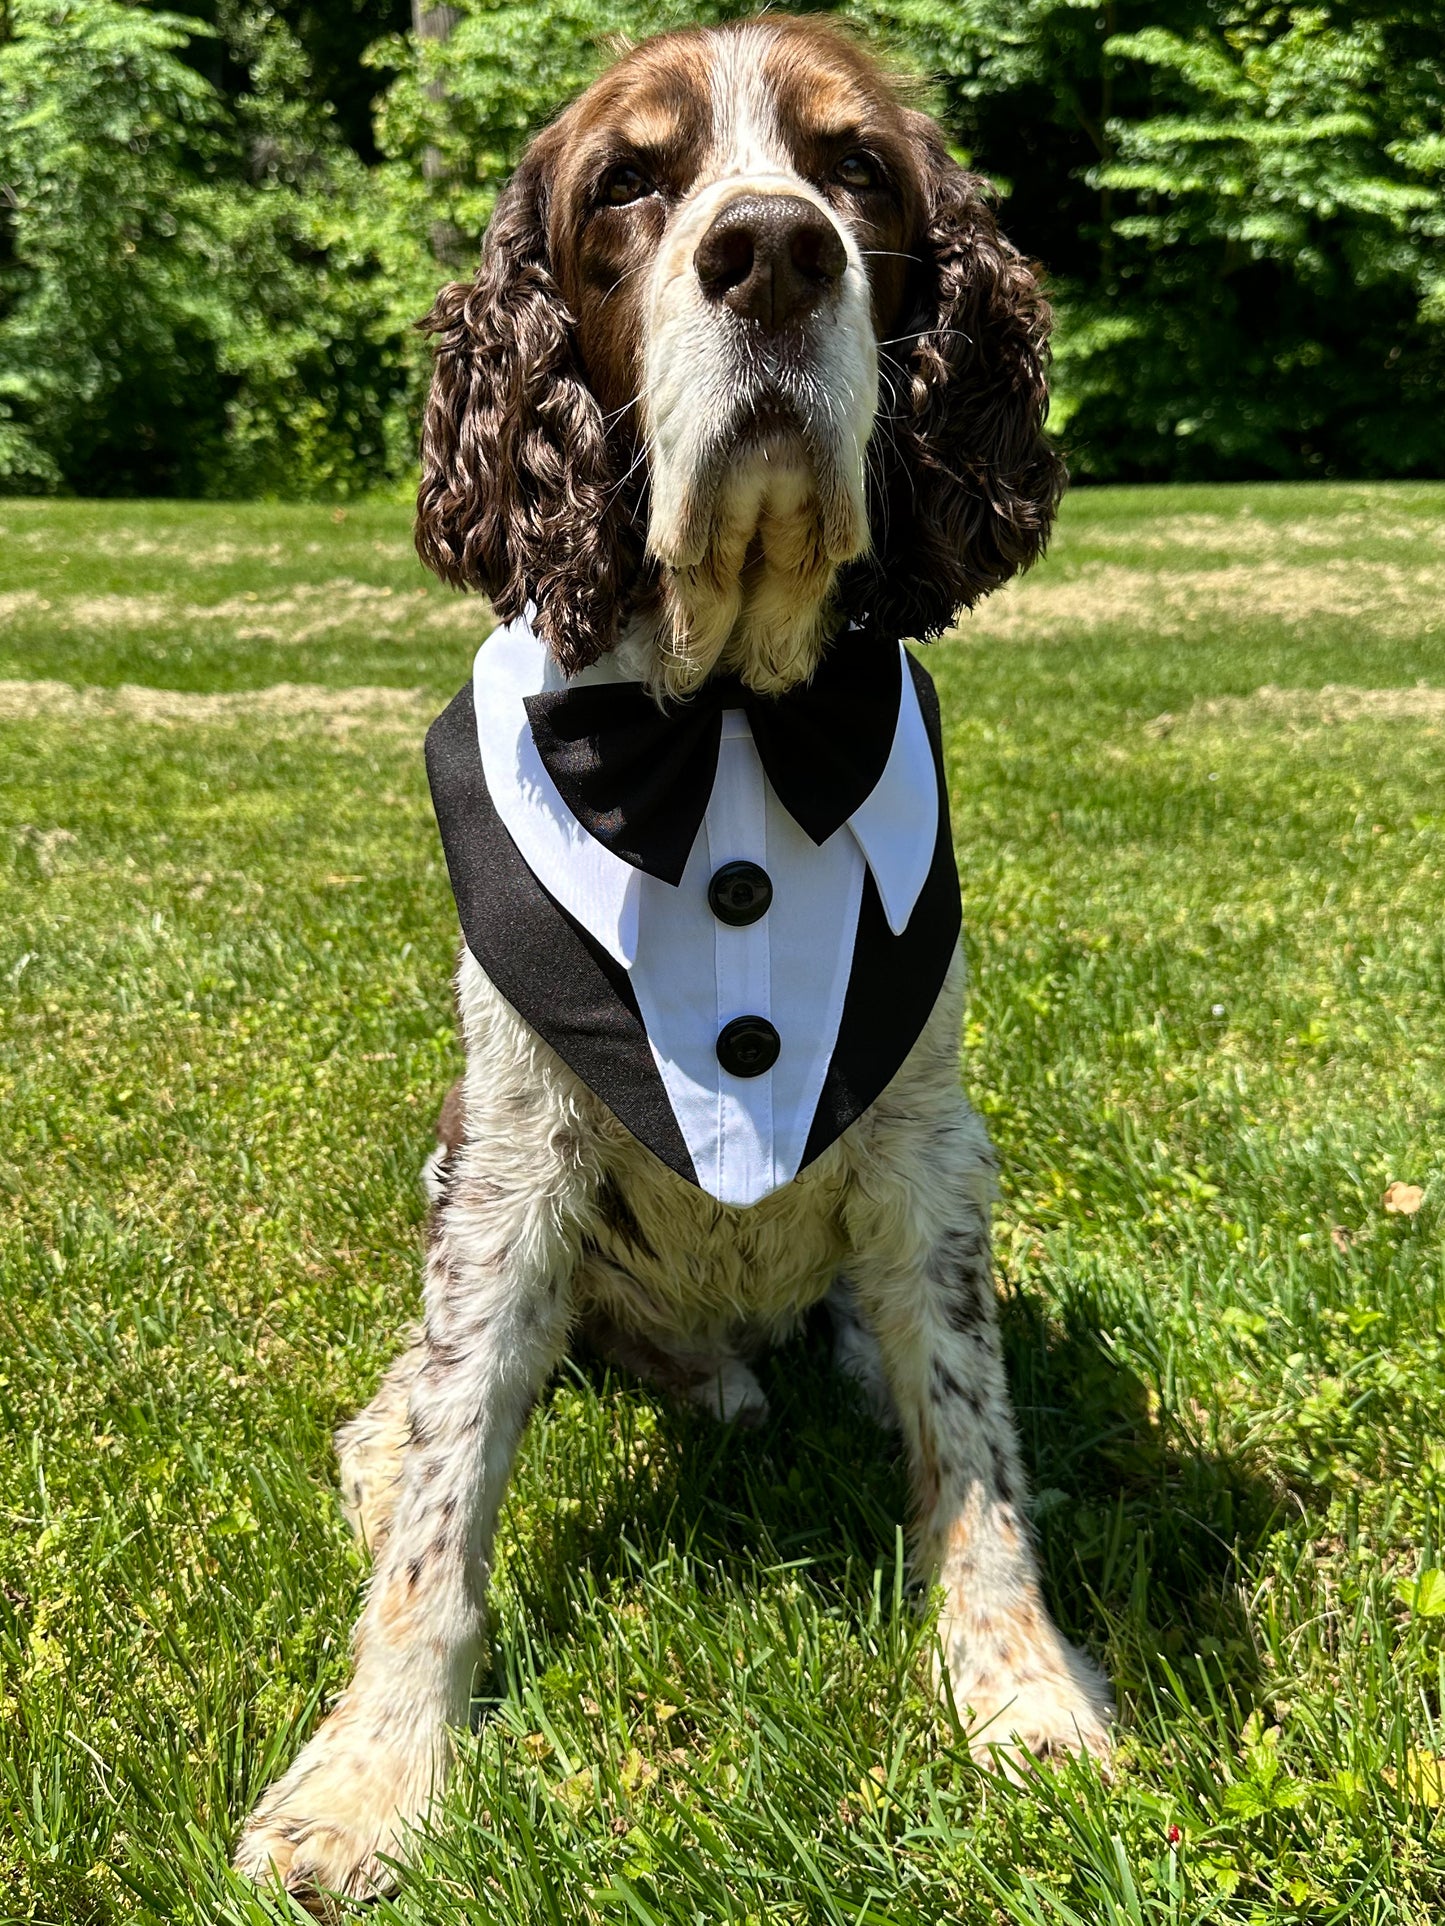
(549,1216)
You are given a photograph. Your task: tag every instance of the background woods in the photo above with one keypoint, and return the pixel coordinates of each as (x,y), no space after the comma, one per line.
(216,229)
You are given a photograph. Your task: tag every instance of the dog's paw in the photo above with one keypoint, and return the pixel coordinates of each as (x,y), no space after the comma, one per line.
(732,1395)
(323,1831)
(1053,1705)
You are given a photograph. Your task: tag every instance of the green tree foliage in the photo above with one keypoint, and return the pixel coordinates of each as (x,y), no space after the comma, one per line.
(473,99)
(103,133)
(216,232)
(1242,207)
(1284,223)
(202,289)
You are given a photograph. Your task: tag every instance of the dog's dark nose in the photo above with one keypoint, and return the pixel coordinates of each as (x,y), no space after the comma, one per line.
(771,257)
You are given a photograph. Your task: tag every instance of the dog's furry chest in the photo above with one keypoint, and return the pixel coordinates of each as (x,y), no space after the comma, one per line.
(664,1258)
(656,1255)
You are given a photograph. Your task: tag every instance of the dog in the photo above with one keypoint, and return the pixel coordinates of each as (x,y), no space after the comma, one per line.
(748,381)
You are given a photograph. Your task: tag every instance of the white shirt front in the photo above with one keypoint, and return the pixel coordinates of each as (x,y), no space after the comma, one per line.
(690,972)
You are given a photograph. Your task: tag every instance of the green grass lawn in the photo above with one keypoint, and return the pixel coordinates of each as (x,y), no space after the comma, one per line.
(1199,802)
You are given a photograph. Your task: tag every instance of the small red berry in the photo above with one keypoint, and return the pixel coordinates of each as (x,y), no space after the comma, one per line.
(1175,1835)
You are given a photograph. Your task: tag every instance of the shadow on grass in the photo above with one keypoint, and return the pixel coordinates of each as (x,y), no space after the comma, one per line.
(1144,1542)
(817,1486)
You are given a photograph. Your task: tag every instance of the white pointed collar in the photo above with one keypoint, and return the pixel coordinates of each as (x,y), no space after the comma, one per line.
(896,827)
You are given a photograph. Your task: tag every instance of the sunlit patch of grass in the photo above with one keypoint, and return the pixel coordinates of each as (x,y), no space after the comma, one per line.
(1207,951)
(210,596)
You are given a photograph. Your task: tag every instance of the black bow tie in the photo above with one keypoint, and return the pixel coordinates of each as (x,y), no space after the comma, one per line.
(638,776)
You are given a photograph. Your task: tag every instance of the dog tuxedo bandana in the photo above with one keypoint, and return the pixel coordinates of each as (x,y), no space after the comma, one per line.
(730,916)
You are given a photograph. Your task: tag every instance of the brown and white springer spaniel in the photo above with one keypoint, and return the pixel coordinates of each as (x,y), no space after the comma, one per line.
(746,358)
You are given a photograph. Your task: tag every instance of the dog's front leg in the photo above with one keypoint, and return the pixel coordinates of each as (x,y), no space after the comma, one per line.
(923,1280)
(498,1278)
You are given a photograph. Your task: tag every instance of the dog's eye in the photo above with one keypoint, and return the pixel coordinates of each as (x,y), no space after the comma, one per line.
(858,171)
(622,185)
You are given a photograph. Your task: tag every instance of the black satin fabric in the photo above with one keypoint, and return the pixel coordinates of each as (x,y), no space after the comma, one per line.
(638,774)
(552,971)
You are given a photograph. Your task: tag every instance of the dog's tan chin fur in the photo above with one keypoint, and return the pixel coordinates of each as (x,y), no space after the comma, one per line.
(757,603)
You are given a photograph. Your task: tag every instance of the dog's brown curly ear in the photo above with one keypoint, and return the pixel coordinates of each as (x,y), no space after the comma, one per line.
(963,483)
(518,492)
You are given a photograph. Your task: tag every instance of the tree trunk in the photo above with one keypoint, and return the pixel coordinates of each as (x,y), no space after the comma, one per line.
(436,23)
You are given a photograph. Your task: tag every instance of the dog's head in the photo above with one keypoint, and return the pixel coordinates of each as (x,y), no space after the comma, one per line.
(746,356)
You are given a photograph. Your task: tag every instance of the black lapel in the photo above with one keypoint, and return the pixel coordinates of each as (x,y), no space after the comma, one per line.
(895,980)
(555,975)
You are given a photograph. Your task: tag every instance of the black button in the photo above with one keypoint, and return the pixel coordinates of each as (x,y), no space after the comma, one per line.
(739,894)
(748,1046)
